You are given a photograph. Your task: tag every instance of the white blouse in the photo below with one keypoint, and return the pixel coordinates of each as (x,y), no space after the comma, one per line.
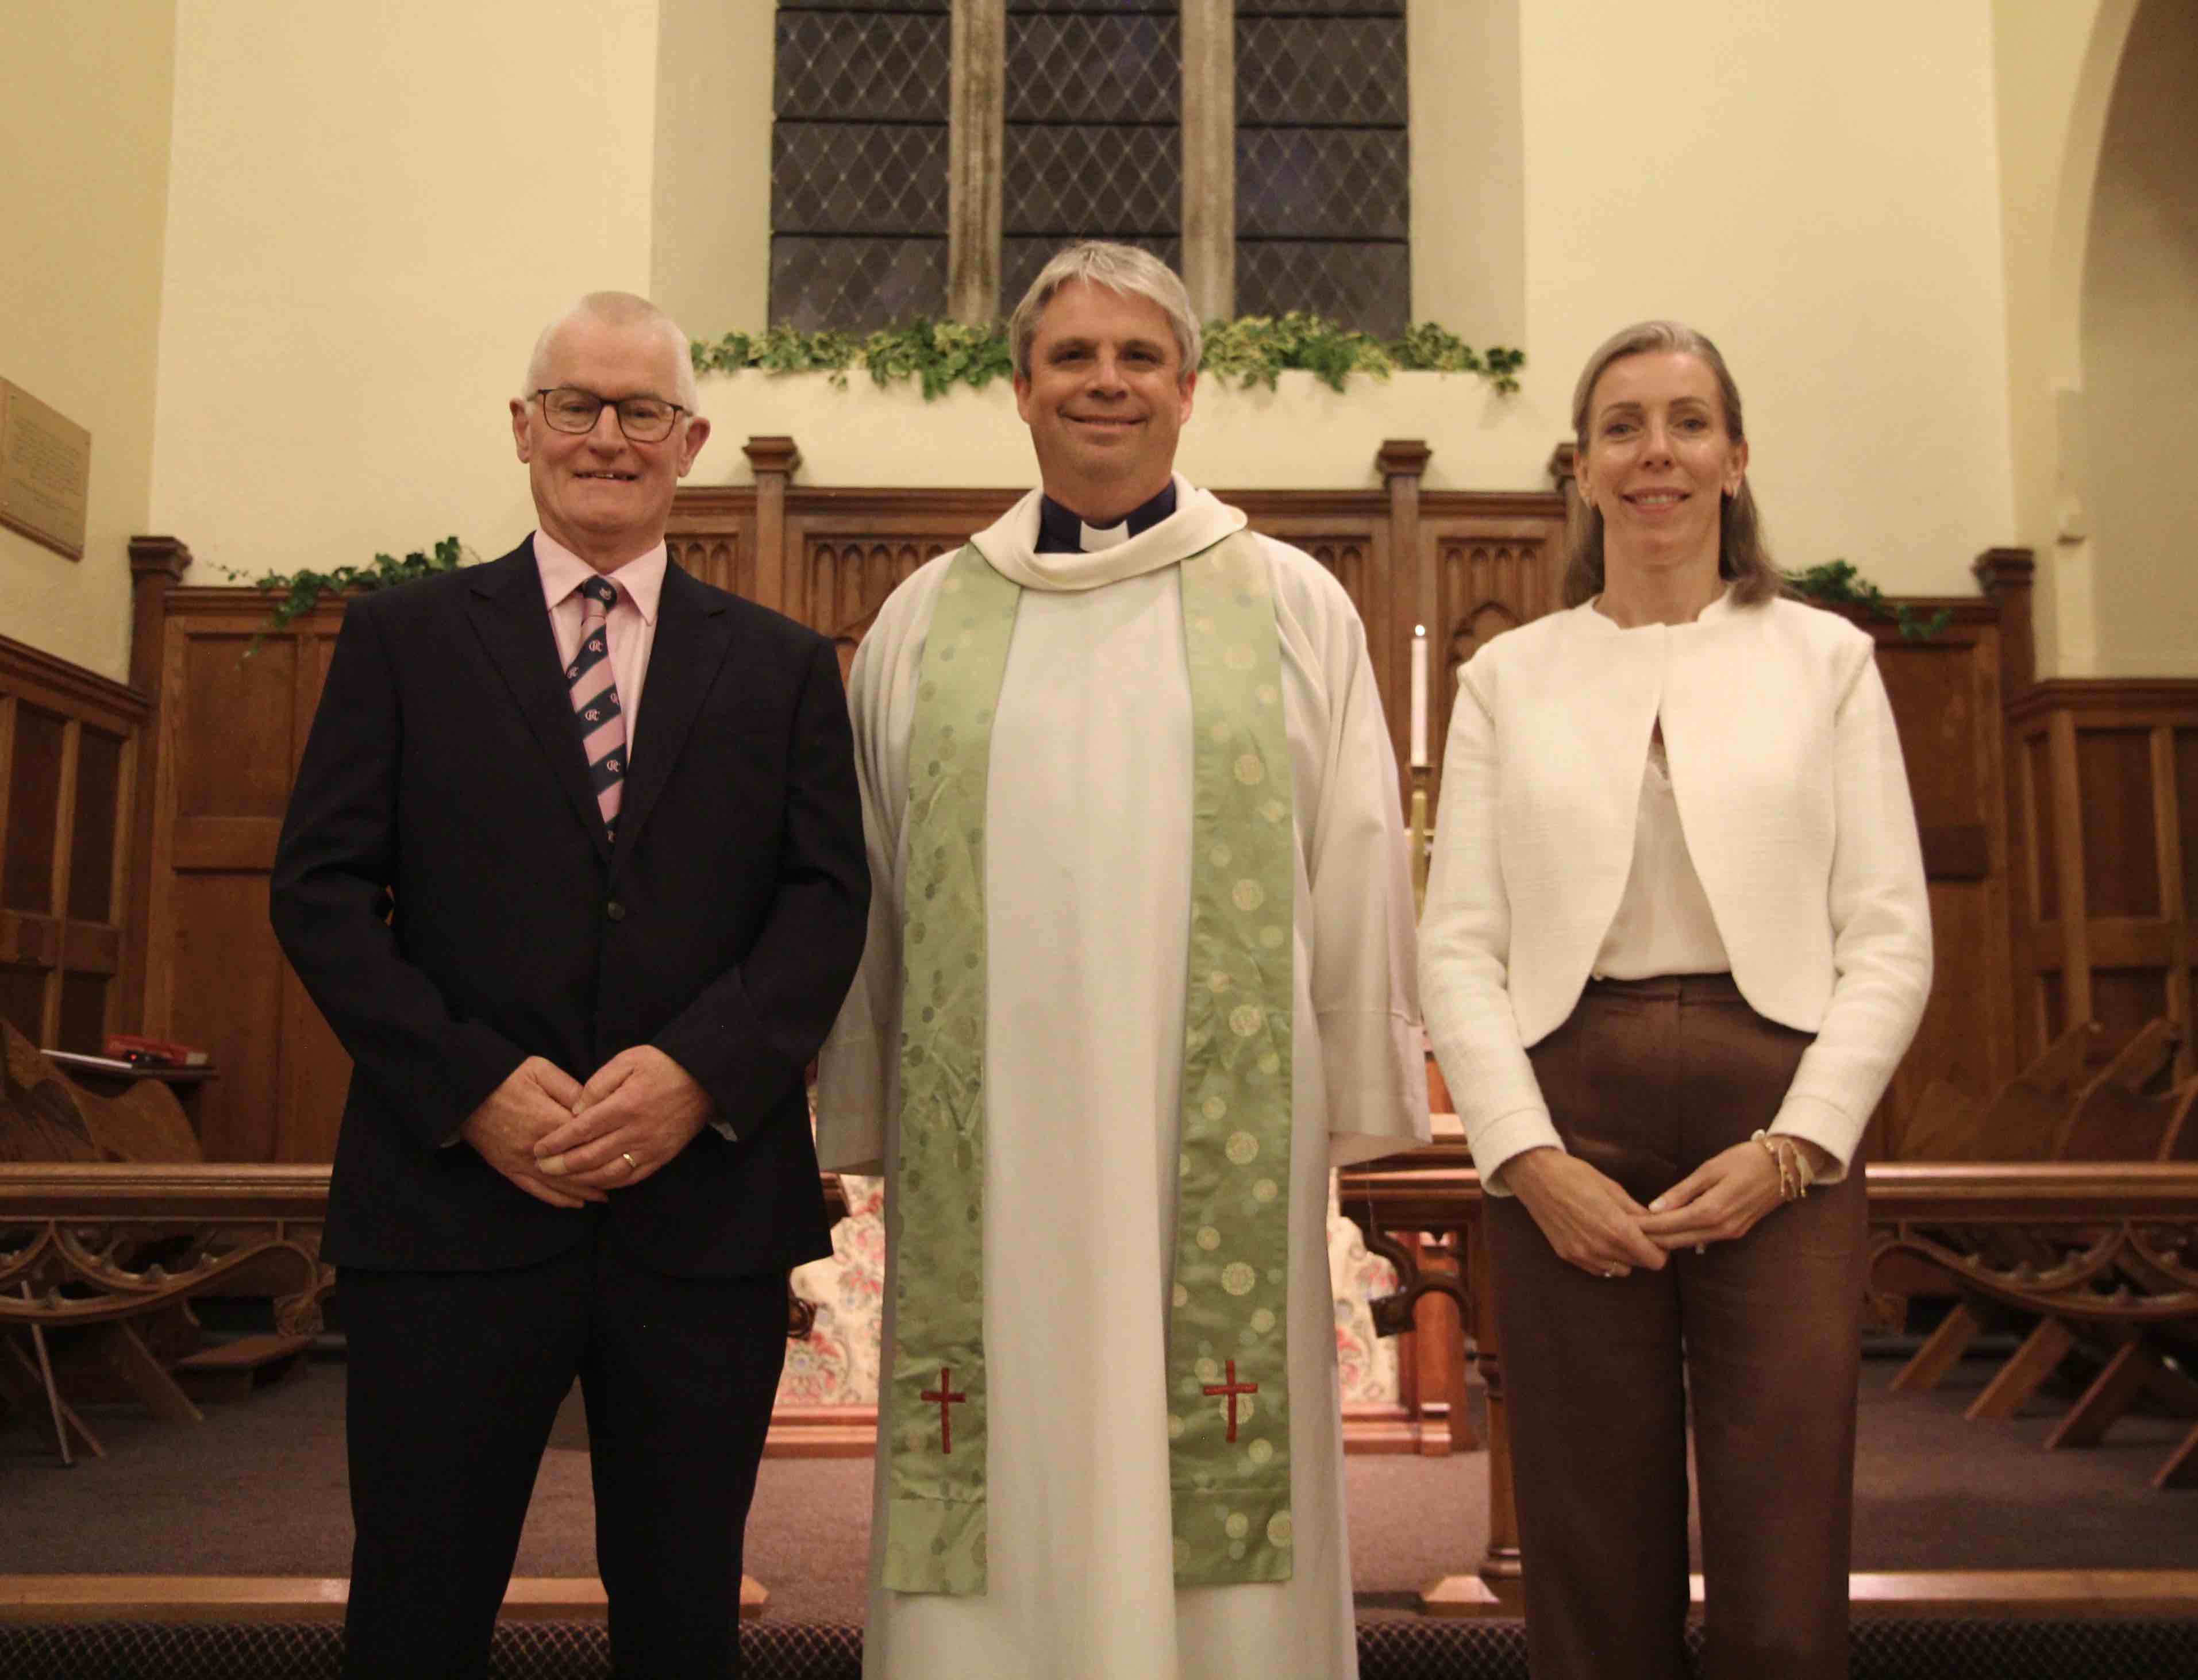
(1664,924)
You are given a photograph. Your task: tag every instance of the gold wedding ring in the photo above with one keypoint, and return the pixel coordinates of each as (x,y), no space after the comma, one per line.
(631,1164)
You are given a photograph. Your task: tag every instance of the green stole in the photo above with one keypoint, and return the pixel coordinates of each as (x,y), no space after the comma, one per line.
(1228,1352)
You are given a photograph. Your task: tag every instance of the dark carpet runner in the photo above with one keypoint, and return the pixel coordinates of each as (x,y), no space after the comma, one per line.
(1491,1649)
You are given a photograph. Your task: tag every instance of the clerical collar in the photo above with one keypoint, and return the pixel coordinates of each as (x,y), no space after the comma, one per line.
(1061,531)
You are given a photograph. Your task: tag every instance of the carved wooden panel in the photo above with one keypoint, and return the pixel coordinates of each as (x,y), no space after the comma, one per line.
(1491,575)
(845,551)
(232,728)
(68,758)
(1947,703)
(2106,838)
(1353,535)
(724,561)
(846,578)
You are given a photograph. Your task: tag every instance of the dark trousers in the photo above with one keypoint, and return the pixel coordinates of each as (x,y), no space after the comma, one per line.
(455,1378)
(1647,1080)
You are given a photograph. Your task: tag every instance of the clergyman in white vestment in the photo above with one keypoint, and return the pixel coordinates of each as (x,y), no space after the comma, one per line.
(1087,885)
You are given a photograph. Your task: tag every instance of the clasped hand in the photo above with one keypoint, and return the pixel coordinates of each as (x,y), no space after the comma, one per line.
(1591,1221)
(567,1143)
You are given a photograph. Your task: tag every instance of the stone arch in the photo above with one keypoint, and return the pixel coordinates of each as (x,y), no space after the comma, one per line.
(2045,347)
(2138,353)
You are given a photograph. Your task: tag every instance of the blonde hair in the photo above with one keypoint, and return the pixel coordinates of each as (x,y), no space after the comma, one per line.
(617,308)
(1120,268)
(1742,556)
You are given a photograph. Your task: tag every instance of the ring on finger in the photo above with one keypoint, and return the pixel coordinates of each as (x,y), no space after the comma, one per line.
(1613,1271)
(631,1164)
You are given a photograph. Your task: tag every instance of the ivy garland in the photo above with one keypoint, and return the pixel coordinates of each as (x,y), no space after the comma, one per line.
(1251,351)
(1833,583)
(1837,583)
(301,591)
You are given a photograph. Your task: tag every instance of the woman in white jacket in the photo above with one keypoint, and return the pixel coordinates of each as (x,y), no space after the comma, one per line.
(1676,939)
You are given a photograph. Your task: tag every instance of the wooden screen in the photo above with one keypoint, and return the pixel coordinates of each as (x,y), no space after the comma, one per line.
(68,765)
(2105,811)
(236,706)
(1469,566)
(1946,694)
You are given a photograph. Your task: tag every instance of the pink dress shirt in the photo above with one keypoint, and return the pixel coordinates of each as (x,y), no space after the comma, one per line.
(631,624)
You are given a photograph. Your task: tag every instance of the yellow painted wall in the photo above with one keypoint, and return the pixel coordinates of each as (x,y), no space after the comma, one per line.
(2140,346)
(1469,221)
(357,262)
(2054,69)
(1813,186)
(85,93)
(714,103)
(373,209)
(1824,208)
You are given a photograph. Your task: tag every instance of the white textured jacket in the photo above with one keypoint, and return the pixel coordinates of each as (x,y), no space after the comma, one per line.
(1791,791)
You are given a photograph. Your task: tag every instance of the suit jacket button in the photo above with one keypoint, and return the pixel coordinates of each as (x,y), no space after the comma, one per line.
(615,910)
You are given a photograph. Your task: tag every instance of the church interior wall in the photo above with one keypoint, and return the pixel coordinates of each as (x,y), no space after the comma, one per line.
(714,103)
(81,206)
(2140,347)
(1469,226)
(1813,186)
(2054,69)
(373,210)
(1824,208)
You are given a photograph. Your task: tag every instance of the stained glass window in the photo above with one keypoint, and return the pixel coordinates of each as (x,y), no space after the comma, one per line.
(1094,140)
(1324,202)
(1091,146)
(858,164)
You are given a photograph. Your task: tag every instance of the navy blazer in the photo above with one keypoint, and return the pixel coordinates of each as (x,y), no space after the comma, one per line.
(445,890)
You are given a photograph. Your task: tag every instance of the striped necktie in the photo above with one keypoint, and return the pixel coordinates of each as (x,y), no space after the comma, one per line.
(595,702)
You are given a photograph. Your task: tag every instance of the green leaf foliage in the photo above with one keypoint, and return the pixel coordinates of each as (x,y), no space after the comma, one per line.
(1253,349)
(1837,583)
(301,591)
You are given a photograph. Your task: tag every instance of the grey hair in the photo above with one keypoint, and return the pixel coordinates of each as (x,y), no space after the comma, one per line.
(617,308)
(1742,556)
(1120,268)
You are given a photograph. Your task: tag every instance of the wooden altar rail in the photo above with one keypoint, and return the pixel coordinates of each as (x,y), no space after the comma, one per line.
(67,1232)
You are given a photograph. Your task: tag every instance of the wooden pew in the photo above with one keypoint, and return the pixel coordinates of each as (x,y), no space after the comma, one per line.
(2055,1110)
(46,1117)
(2019,1124)
(2116,1125)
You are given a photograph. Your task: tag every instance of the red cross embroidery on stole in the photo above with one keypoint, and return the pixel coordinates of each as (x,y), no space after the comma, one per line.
(946,1395)
(1232,1388)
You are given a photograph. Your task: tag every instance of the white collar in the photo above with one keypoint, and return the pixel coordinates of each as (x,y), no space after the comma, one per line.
(1199,522)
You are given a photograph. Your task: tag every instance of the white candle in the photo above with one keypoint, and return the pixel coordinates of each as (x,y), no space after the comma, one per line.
(1419,696)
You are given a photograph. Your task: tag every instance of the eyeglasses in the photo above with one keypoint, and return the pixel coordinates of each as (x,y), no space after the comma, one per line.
(644,420)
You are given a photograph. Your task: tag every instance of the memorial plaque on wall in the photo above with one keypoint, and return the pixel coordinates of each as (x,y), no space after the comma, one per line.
(45,471)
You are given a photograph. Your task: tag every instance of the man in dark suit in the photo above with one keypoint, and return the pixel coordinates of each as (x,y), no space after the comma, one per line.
(574,868)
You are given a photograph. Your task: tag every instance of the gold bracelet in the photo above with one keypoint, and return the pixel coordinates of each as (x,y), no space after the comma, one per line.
(1792,1186)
